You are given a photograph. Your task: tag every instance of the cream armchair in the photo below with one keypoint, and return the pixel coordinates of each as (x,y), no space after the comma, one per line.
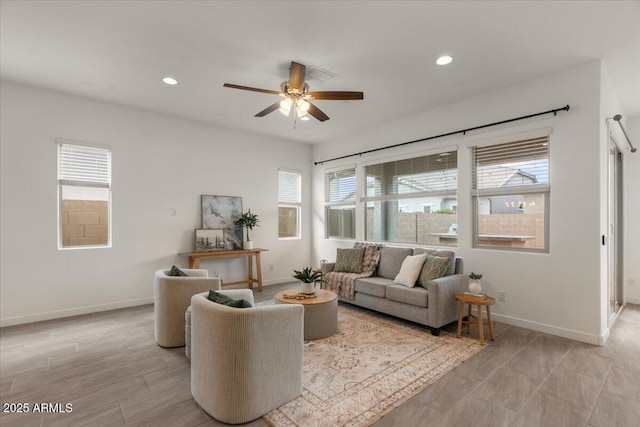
(172,296)
(245,362)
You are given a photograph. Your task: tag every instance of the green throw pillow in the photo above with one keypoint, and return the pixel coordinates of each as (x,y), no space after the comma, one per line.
(175,271)
(433,267)
(349,260)
(225,300)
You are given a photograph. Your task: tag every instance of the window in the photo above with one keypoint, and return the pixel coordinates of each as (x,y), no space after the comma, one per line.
(340,204)
(511,195)
(413,200)
(289,204)
(84,189)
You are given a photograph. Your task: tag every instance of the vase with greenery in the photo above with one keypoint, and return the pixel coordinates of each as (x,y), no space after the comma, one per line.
(474,283)
(248,220)
(308,277)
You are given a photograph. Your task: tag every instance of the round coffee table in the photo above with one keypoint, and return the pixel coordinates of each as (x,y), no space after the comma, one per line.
(320,313)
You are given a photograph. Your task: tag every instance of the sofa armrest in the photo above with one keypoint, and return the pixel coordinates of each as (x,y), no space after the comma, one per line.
(443,307)
(327,267)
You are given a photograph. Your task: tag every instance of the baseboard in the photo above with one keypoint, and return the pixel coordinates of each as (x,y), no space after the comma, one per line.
(633,300)
(73,312)
(553,330)
(279,281)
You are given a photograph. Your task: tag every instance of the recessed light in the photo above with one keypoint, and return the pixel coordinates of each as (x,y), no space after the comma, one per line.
(170,80)
(444,60)
(304,118)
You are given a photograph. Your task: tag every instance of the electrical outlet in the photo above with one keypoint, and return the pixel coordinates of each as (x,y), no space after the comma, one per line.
(174,212)
(215,274)
(502,296)
(634,283)
(271,267)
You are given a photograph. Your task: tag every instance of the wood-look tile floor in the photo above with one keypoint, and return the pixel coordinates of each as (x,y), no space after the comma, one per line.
(109,368)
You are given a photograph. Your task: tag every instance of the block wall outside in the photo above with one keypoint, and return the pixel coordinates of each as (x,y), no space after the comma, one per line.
(529,224)
(417,227)
(85,222)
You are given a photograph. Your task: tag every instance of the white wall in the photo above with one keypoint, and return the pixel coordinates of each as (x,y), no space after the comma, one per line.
(159,163)
(559,292)
(631,170)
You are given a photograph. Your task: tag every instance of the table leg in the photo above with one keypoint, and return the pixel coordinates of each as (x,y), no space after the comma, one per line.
(250,261)
(460,315)
(259,271)
(196,263)
(469,317)
(480,325)
(490,323)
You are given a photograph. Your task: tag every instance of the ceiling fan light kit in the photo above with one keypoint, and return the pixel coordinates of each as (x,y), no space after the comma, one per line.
(444,60)
(297,95)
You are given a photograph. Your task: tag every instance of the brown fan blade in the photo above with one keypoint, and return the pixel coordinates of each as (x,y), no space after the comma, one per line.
(296,76)
(269,109)
(253,89)
(337,96)
(317,113)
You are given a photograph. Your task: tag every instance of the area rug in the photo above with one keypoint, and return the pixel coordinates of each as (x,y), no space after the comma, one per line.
(371,365)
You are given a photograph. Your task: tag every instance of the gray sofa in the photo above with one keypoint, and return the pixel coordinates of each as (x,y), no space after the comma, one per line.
(434,306)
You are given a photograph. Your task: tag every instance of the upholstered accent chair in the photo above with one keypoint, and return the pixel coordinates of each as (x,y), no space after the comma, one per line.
(172,296)
(245,362)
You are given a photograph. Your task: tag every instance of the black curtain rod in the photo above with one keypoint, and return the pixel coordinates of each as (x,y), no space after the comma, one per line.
(463,131)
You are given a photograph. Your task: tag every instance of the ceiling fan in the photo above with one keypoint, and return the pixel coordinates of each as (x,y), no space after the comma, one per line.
(296,96)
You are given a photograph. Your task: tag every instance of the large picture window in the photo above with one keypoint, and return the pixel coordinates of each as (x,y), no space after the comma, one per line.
(84,188)
(340,204)
(289,204)
(511,195)
(413,200)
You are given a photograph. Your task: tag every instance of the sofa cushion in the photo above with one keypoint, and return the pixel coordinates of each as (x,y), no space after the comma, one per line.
(374,286)
(349,260)
(451,269)
(391,260)
(433,268)
(175,271)
(410,270)
(413,296)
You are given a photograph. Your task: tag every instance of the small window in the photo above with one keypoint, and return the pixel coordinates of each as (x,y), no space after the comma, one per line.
(289,204)
(340,204)
(84,189)
(511,195)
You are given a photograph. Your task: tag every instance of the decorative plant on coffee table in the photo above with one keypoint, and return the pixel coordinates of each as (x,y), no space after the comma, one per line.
(308,277)
(248,220)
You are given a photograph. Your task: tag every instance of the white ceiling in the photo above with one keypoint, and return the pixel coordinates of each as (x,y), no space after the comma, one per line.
(118,51)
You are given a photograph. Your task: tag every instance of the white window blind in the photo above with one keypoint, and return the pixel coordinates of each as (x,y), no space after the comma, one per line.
(433,175)
(523,163)
(289,188)
(340,187)
(82,165)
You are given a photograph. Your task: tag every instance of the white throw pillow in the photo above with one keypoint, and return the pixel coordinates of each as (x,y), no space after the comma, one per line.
(410,270)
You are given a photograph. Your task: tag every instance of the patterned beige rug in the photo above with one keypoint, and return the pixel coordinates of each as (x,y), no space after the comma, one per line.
(372,365)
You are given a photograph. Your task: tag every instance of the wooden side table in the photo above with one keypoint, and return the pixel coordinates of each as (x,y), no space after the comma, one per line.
(479,301)
(195,257)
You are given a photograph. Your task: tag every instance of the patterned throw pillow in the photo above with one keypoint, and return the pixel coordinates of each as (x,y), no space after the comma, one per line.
(349,260)
(433,268)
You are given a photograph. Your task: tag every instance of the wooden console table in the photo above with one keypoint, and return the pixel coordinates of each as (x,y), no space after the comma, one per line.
(195,257)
